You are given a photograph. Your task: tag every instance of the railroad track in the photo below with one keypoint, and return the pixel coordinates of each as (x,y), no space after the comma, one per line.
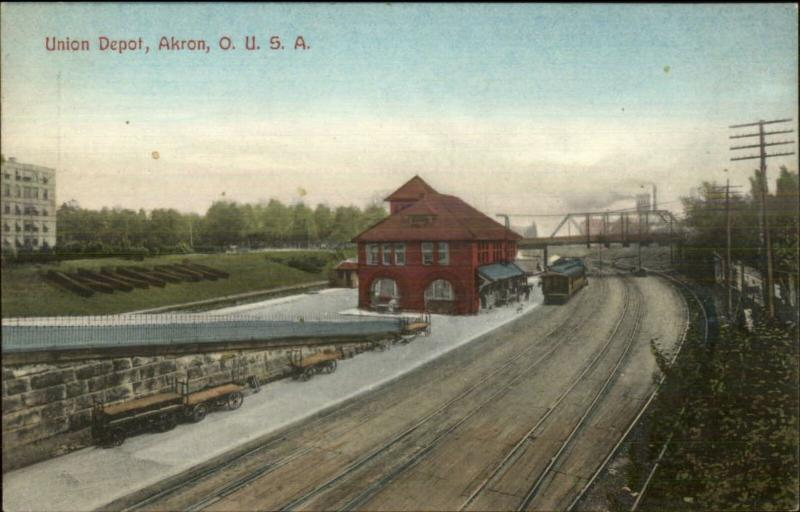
(689,295)
(634,309)
(630,308)
(272,465)
(425,450)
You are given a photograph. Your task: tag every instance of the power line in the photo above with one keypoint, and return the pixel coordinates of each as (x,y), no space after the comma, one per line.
(762,176)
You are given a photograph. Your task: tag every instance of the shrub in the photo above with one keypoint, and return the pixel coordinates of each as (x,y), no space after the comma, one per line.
(309,263)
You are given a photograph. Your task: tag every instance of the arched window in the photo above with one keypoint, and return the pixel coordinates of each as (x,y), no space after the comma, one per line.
(384,288)
(439,290)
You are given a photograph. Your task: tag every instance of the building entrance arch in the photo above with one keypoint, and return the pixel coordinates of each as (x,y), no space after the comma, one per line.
(384,294)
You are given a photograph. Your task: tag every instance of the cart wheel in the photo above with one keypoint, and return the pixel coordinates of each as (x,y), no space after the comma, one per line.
(330,367)
(166,422)
(235,400)
(199,412)
(307,374)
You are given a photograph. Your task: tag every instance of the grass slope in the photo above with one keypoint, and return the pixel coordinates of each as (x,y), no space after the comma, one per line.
(25,293)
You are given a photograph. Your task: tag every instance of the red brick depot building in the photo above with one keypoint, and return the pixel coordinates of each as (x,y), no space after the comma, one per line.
(438,254)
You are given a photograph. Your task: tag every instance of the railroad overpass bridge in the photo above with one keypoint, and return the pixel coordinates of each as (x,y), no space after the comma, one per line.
(616,227)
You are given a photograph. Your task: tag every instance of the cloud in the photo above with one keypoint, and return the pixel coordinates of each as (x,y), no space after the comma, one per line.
(510,165)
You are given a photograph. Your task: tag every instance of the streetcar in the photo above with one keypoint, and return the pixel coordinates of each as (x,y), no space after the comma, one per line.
(564,278)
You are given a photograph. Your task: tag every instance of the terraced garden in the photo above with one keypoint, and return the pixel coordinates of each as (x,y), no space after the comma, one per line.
(115,285)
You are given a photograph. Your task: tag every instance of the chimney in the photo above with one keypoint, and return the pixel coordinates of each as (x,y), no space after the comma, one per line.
(655,203)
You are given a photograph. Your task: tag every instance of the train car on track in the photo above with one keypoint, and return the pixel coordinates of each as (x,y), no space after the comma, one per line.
(111,424)
(563,279)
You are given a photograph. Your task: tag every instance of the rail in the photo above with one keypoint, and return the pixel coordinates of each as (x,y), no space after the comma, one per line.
(636,306)
(667,442)
(268,467)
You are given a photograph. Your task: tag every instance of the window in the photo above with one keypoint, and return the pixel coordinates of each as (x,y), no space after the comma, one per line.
(372,254)
(6,209)
(44,193)
(7,190)
(419,220)
(386,249)
(439,290)
(427,253)
(444,253)
(384,288)
(17,191)
(483,252)
(400,254)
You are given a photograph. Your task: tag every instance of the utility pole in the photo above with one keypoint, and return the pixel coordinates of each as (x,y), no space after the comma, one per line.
(640,242)
(728,247)
(728,263)
(762,178)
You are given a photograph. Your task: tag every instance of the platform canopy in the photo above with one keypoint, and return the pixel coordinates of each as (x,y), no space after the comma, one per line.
(500,271)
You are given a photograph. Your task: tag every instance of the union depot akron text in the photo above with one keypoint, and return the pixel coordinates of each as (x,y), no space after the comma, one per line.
(108,44)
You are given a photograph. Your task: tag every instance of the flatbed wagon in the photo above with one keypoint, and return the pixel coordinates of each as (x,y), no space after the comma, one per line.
(160,412)
(304,367)
(418,325)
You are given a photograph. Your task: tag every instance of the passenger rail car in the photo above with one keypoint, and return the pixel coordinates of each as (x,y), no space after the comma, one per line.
(564,278)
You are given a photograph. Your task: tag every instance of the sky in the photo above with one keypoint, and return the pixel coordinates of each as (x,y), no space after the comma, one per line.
(540,108)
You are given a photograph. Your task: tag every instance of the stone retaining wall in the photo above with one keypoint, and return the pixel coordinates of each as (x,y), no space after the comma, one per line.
(47,408)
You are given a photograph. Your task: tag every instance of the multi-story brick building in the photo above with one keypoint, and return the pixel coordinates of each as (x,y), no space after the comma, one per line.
(436,253)
(28,206)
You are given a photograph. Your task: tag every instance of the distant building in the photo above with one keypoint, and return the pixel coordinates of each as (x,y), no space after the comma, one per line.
(642,202)
(532,231)
(345,275)
(28,206)
(438,254)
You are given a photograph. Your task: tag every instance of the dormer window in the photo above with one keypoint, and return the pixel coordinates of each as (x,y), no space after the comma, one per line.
(419,220)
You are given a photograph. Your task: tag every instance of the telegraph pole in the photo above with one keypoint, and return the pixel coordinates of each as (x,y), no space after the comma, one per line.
(762,177)
(728,263)
(728,247)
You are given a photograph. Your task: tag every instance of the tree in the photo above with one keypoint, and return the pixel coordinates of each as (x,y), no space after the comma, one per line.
(303,228)
(167,228)
(706,219)
(373,214)
(346,222)
(224,224)
(782,210)
(323,219)
(277,220)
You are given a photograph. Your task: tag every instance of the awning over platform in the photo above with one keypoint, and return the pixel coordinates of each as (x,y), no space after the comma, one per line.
(500,271)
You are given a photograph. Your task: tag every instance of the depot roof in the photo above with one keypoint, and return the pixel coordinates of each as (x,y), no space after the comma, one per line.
(412,190)
(437,217)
